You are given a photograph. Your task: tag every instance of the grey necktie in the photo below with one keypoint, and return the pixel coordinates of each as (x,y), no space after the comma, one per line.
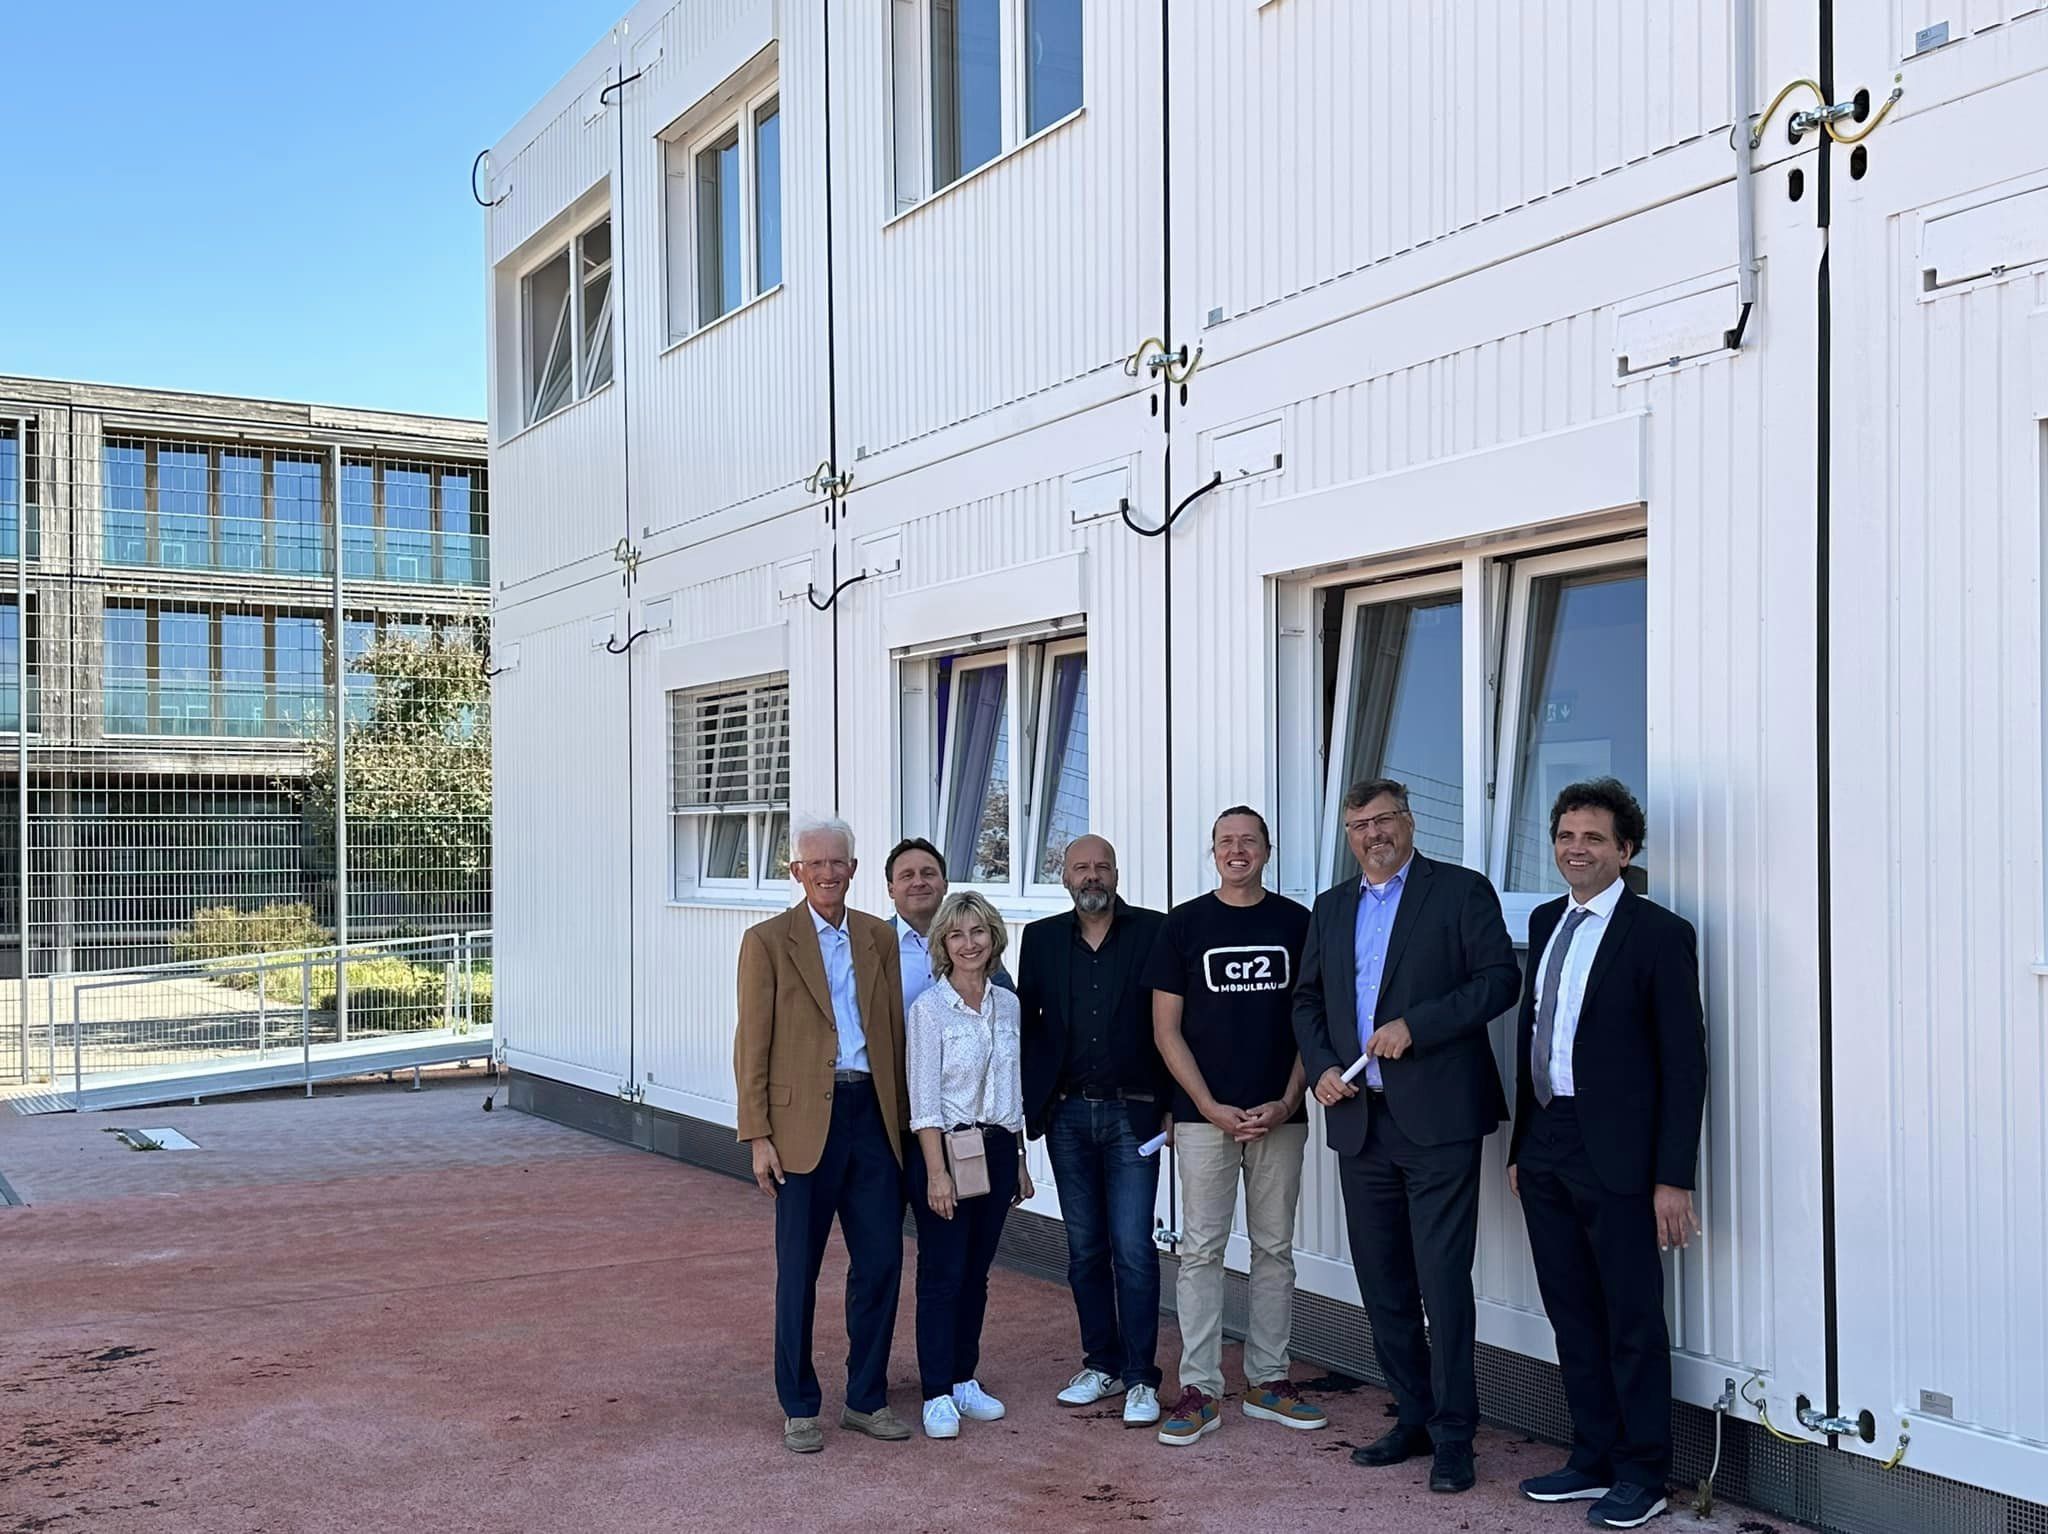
(1546,1004)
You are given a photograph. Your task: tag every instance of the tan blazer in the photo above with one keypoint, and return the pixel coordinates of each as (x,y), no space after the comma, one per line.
(787,1040)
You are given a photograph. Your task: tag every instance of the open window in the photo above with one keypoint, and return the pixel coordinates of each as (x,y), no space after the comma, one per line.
(1544,654)
(973,78)
(724,199)
(1004,731)
(565,310)
(729,787)
(1398,711)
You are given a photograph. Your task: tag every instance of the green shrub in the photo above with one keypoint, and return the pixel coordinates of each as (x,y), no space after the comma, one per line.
(229,932)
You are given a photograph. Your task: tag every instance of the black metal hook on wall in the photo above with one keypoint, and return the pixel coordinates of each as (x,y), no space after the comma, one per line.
(612,646)
(1124,510)
(474,166)
(811,592)
(604,96)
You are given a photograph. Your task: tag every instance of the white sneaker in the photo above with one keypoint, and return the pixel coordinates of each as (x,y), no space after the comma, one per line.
(976,1404)
(1141,1406)
(1088,1387)
(941,1418)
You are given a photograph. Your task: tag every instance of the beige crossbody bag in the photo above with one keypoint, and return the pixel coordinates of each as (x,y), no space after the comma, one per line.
(967,1149)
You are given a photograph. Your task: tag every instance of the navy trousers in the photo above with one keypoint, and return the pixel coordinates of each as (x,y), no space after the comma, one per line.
(858,1179)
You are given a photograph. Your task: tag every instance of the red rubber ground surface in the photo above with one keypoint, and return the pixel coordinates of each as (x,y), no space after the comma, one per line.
(387,1310)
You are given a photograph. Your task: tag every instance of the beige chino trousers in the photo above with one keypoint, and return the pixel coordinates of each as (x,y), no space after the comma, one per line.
(1211,1164)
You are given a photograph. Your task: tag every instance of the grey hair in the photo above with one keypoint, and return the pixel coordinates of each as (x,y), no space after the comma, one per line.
(1359,795)
(818,825)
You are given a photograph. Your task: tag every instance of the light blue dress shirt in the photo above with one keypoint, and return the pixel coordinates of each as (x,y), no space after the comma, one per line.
(835,944)
(916,956)
(1378,904)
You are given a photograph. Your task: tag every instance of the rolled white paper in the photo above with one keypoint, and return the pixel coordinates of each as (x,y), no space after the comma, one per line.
(1152,1146)
(1357,1068)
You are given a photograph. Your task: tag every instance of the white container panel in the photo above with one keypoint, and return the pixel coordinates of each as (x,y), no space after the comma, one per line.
(1470,109)
(1034,271)
(732,411)
(561,906)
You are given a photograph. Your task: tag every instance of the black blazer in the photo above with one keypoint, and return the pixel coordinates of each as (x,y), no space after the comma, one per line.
(1042,970)
(1450,971)
(1639,1058)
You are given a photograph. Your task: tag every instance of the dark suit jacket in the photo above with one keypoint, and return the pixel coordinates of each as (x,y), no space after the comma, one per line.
(1639,1058)
(1450,971)
(1043,967)
(788,1037)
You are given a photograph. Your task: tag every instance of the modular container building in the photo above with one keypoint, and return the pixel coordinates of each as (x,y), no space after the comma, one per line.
(992,418)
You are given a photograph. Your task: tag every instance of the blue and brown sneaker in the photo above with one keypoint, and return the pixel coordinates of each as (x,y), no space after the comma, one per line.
(1278,1401)
(1193,1415)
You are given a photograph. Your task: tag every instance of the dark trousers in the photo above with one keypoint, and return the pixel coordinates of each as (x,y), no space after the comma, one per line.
(1413,1214)
(858,1179)
(1602,1282)
(1107,1195)
(953,1259)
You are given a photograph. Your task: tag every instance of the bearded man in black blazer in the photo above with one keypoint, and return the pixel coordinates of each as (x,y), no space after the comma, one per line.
(1613,1081)
(1406,964)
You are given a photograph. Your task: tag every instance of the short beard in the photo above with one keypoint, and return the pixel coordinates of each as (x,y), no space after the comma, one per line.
(1092,902)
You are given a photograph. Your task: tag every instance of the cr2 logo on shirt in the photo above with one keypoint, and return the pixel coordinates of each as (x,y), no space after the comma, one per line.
(1263,967)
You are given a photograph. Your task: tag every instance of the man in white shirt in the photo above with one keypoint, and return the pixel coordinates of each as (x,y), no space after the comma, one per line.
(1613,1081)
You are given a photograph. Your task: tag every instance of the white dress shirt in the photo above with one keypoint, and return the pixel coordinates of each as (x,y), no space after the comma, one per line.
(1571,982)
(963,1061)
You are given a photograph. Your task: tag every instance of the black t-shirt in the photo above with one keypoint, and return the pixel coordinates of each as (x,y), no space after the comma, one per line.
(1234,969)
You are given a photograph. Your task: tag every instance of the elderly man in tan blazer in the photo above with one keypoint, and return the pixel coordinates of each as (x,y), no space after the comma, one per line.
(818,1058)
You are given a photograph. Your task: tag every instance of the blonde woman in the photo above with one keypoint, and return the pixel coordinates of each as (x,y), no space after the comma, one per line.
(967,1111)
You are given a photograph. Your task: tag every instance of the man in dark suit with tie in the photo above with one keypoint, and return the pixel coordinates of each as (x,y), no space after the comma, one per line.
(1405,966)
(1613,1081)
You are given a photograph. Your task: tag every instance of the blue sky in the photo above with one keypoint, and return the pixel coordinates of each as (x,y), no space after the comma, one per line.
(265,199)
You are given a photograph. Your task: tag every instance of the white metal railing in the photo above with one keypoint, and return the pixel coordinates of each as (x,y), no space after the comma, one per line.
(319,1004)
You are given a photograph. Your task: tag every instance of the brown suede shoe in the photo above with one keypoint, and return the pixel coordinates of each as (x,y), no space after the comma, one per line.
(800,1435)
(880,1423)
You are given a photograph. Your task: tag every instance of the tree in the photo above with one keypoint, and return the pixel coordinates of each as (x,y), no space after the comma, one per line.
(418,762)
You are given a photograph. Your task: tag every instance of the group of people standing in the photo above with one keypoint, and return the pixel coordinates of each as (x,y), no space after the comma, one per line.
(878,1060)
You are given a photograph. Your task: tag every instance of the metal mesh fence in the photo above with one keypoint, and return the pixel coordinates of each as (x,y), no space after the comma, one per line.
(243,709)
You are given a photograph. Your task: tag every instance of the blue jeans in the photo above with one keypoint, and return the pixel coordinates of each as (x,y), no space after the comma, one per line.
(1107,1193)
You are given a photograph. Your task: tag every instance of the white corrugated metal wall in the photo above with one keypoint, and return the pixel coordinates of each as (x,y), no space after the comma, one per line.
(1418,240)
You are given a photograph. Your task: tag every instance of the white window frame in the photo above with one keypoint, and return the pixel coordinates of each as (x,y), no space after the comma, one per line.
(1496,585)
(1355,600)
(737,109)
(908,41)
(580,388)
(1031,664)
(1502,787)
(690,823)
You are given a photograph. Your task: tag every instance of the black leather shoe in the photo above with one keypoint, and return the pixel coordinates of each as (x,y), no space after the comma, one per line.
(1453,1468)
(1392,1447)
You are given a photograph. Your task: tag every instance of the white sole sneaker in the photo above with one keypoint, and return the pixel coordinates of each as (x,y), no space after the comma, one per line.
(1178,1442)
(1263,1415)
(1634,1523)
(1069,1397)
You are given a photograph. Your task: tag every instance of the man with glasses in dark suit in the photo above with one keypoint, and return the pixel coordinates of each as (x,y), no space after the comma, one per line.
(1406,964)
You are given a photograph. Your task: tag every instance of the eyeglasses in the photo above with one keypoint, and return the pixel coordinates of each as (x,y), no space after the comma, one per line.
(822,865)
(1377,823)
